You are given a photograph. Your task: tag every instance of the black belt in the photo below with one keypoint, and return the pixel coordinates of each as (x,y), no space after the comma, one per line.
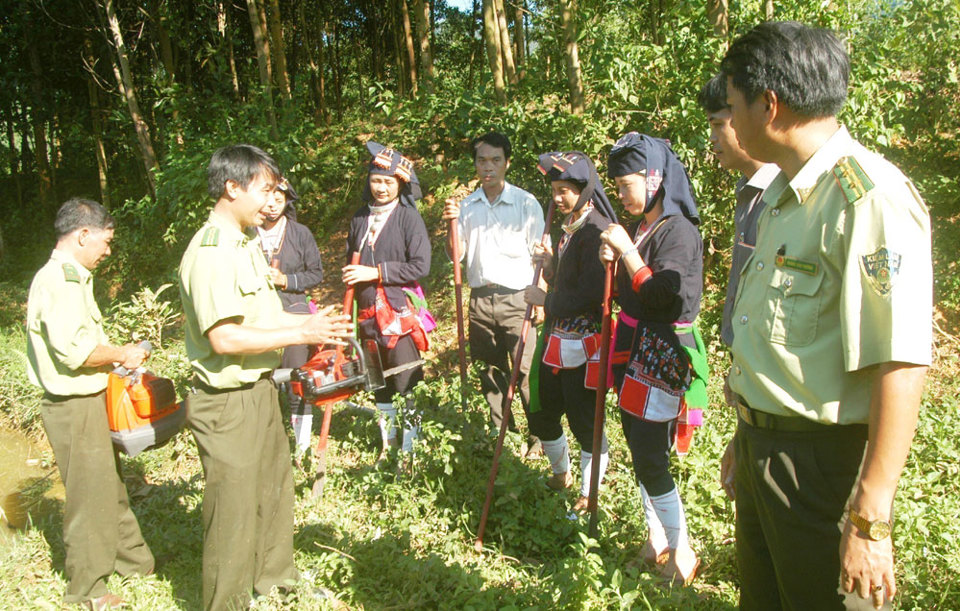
(493,289)
(772,422)
(210,390)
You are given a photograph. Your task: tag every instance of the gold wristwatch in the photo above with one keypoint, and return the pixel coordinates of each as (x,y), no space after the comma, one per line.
(877,530)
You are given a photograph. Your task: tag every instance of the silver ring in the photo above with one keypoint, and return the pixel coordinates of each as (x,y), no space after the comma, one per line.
(877,588)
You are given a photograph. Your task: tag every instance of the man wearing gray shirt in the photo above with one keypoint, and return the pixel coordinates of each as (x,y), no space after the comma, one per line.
(755,177)
(499,225)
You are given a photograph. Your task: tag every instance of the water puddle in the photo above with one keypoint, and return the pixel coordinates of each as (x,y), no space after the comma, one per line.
(29,485)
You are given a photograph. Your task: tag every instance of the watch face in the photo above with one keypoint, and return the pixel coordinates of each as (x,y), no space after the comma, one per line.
(879,530)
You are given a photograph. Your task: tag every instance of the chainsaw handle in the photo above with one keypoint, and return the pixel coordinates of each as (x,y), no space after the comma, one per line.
(122,371)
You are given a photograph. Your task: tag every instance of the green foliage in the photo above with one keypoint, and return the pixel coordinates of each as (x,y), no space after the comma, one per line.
(144,317)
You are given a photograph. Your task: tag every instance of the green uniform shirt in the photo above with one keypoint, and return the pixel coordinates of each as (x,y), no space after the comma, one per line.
(63,328)
(223,275)
(841,278)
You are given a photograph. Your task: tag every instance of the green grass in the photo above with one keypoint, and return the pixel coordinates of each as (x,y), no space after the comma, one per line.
(386,541)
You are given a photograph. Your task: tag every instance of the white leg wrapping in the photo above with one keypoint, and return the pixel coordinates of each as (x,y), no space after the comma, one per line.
(558,453)
(669,509)
(586,469)
(409,436)
(657,536)
(387,421)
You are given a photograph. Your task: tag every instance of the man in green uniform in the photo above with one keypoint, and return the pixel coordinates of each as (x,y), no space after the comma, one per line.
(833,333)
(69,357)
(235,326)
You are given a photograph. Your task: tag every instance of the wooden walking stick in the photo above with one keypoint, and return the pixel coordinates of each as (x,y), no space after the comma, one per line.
(458,289)
(599,408)
(508,396)
(321,451)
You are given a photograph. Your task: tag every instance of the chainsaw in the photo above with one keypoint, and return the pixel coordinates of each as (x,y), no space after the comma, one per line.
(333,375)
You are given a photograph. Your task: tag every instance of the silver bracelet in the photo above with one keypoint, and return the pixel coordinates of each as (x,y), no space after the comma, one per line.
(628,251)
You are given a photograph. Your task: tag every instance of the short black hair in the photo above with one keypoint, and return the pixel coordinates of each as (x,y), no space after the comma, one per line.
(494,139)
(77,213)
(807,67)
(241,163)
(713,96)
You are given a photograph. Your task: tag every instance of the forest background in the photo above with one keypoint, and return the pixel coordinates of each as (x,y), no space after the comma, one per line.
(125,101)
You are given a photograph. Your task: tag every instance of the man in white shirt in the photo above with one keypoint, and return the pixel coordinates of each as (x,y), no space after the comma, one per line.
(499,225)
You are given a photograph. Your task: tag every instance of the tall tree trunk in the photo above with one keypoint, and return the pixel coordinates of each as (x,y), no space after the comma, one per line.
(411,53)
(768,10)
(473,38)
(263,62)
(491,37)
(95,120)
(396,18)
(158,15)
(519,37)
(509,67)
(717,12)
(337,70)
(655,8)
(421,13)
(316,72)
(125,83)
(278,54)
(41,157)
(15,164)
(223,26)
(568,12)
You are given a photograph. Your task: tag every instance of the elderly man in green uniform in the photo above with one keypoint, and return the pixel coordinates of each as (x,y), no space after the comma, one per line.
(235,326)
(69,357)
(833,333)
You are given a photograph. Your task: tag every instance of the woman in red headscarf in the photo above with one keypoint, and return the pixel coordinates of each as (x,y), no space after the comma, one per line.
(394,248)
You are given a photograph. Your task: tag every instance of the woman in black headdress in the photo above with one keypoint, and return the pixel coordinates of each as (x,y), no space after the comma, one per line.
(659,364)
(573,316)
(295,267)
(394,248)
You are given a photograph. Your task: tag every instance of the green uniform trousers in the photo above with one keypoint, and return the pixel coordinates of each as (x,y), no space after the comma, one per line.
(792,488)
(248,500)
(100,532)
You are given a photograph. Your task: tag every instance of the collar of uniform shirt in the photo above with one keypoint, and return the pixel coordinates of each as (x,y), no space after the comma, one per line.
(64,257)
(822,161)
(232,232)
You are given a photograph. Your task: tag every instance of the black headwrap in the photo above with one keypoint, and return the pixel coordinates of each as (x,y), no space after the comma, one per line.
(389,162)
(291,196)
(576,167)
(642,154)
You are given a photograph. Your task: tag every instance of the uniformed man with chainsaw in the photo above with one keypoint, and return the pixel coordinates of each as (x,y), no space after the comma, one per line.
(833,333)
(235,325)
(69,356)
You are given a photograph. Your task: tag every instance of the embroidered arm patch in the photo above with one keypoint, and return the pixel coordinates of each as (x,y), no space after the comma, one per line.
(881,269)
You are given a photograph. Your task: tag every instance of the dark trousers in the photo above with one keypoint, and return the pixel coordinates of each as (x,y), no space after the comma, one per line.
(791,492)
(563,393)
(649,444)
(100,533)
(248,498)
(495,321)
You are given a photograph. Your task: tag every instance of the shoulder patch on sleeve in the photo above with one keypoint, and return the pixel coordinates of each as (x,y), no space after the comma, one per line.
(852,179)
(211,237)
(881,269)
(70,273)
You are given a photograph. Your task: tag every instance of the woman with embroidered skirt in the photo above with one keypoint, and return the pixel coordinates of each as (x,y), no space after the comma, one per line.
(394,248)
(658,361)
(571,333)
